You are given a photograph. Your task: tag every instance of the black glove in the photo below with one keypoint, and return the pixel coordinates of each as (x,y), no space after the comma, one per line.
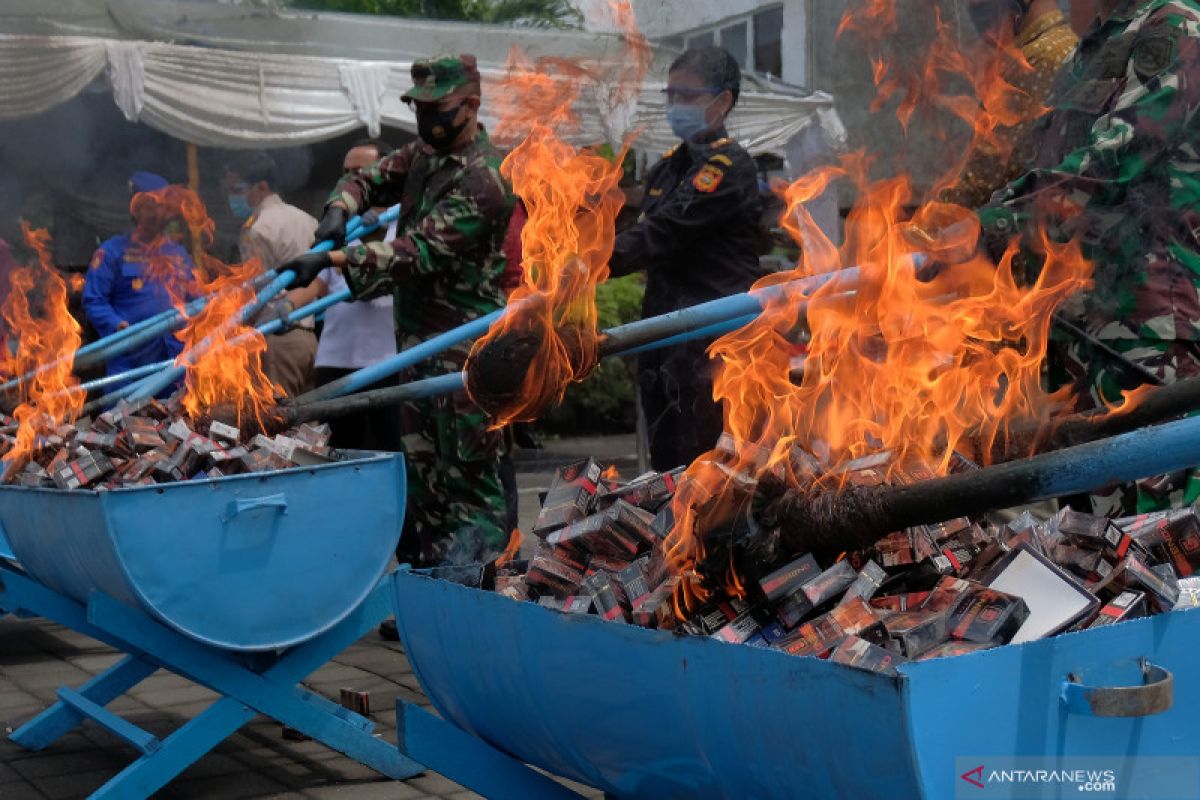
(307,267)
(332,226)
(370,218)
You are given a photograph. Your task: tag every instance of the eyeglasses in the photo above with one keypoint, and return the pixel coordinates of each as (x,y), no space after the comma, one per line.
(351,170)
(685,94)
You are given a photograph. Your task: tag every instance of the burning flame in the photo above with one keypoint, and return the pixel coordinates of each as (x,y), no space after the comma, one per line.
(223,355)
(45,333)
(572,201)
(907,366)
(511,549)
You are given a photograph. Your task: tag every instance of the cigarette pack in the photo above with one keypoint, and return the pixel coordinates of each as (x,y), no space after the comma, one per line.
(987,615)
(1126,605)
(869,579)
(923,542)
(1182,541)
(574,604)
(656,610)
(913,632)
(910,601)
(1160,594)
(856,618)
(815,638)
(947,593)
(861,654)
(720,614)
(570,496)
(950,528)
(634,582)
(512,587)
(830,584)
(609,599)
(83,471)
(648,492)
(790,577)
(1088,531)
(549,575)
(895,551)
(1189,593)
(738,630)
(1055,598)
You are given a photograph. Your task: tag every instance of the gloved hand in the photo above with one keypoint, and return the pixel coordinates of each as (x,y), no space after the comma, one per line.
(307,267)
(332,226)
(370,218)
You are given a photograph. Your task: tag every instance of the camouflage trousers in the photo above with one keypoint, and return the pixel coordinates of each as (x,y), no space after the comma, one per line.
(457,510)
(1099,381)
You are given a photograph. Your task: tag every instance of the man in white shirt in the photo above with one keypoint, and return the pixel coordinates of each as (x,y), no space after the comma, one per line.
(274,233)
(357,334)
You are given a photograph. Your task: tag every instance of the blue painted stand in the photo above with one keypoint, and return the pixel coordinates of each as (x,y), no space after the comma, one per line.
(249,684)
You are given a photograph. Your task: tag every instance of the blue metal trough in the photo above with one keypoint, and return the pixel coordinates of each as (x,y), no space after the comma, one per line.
(644,714)
(244,563)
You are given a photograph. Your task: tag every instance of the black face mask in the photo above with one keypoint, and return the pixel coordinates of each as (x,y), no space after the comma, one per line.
(437,127)
(989,16)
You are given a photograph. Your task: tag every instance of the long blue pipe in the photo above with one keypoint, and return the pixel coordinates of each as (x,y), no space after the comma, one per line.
(266,329)
(146,330)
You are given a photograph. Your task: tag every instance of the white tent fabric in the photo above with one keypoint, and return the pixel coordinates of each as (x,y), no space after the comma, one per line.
(231,98)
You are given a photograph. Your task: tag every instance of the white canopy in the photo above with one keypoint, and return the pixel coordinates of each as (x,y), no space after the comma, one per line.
(226,76)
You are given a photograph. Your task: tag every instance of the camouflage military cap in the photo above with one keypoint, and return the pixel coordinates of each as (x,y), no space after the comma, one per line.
(434,78)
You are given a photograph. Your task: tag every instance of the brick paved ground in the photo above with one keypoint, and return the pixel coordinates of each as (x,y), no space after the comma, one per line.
(38,656)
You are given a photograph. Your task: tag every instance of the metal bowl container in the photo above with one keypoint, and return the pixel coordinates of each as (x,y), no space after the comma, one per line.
(248,562)
(644,714)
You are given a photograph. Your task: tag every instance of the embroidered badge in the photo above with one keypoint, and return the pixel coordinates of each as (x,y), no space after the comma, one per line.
(97,259)
(708,178)
(137,284)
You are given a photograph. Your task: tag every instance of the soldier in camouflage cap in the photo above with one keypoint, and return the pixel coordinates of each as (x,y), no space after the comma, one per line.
(1119,168)
(443,270)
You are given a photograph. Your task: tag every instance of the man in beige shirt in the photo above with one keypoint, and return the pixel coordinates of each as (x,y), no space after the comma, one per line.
(274,233)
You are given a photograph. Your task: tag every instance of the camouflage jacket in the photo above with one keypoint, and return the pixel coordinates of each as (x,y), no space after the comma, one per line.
(445,264)
(1045,43)
(1119,167)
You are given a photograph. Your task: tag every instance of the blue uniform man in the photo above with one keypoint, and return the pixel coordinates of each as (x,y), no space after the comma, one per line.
(121,287)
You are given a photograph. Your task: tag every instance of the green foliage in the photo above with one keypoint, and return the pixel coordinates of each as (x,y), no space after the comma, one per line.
(603,403)
(538,13)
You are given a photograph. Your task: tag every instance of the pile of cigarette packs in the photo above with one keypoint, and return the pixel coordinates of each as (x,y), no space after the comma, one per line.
(142,443)
(933,591)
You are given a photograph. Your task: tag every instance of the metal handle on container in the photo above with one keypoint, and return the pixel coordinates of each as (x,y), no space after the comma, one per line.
(1154,696)
(242,505)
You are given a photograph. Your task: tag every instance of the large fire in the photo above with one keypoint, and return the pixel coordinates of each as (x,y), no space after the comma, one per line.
(40,331)
(572,201)
(910,367)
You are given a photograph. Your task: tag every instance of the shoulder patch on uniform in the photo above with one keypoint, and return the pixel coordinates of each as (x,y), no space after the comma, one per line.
(670,151)
(97,259)
(708,178)
(1152,55)
(722,142)
(721,158)
(654,192)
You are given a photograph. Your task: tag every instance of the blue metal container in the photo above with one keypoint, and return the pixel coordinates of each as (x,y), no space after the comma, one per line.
(644,714)
(248,562)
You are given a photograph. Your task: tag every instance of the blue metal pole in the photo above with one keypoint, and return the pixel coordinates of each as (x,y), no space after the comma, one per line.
(401,361)
(156,383)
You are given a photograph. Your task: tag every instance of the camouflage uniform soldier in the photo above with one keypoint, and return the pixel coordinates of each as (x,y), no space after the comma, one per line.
(443,269)
(1119,168)
(1041,32)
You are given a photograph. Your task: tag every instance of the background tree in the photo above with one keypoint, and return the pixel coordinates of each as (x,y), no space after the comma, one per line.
(535,13)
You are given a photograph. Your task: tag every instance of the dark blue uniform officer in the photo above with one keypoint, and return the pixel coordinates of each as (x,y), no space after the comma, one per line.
(122,289)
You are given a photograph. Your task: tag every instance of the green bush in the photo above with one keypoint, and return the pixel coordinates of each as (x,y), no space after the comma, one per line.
(603,402)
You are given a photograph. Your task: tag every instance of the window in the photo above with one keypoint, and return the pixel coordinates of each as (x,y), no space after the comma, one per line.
(705,39)
(733,39)
(768,41)
(672,42)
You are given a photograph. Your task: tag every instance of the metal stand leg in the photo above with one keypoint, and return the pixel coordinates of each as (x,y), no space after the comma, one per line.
(274,691)
(465,759)
(57,720)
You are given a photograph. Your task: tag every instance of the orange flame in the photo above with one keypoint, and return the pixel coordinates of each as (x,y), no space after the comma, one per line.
(572,201)
(511,549)
(45,333)
(906,366)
